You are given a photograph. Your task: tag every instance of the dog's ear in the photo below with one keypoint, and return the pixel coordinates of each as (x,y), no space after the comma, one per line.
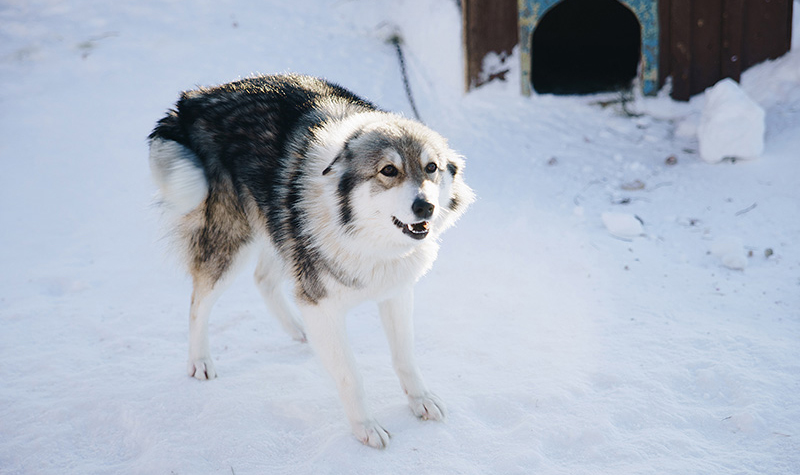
(330,167)
(346,151)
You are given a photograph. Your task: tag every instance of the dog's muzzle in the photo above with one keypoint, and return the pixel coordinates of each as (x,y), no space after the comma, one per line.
(415,230)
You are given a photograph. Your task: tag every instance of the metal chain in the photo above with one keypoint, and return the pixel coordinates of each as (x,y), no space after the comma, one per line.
(396,41)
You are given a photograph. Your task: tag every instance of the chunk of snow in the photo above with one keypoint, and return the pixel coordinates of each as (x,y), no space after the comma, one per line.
(731,125)
(730,251)
(622,225)
(494,65)
(687,127)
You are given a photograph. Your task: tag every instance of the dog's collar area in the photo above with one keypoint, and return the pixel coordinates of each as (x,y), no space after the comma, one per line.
(415,230)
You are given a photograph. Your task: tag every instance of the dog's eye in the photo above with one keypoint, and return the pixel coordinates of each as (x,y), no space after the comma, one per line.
(431,167)
(389,170)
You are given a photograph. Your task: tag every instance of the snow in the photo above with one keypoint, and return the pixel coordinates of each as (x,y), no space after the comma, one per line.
(730,251)
(622,225)
(731,124)
(557,347)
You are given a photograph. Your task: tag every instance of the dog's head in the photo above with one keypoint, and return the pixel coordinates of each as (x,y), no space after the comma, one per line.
(399,183)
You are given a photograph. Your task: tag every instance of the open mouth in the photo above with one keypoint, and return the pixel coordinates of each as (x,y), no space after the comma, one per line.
(415,230)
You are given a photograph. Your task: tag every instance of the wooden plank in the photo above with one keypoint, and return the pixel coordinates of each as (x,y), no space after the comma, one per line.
(680,48)
(788,25)
(705,44)
(767,33)
(664,40)
(488,26)
(732,35)
(466,38)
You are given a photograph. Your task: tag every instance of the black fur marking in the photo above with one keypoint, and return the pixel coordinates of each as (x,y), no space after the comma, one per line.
(346,185)
(454,203)
(305,258)
(452,168)
(307,271)
(168,128)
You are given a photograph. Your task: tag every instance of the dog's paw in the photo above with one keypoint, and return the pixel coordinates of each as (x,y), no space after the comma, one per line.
(371,433)
(427,407)
(298,334)
(202,368)
(291,324)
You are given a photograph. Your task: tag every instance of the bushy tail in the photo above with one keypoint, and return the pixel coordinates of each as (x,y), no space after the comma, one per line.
(179,176)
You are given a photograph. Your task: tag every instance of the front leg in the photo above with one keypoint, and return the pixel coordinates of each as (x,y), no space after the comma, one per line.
(326,331)
(396,314)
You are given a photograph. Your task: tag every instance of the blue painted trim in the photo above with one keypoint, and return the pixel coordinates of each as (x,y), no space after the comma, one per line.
(532,11)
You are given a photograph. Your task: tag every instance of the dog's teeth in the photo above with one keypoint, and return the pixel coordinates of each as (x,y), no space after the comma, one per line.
(412,229)
(418,228)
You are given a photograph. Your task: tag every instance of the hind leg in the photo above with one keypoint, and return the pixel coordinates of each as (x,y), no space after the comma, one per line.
(210,280)
(204,296)
(268,277)
(216,236)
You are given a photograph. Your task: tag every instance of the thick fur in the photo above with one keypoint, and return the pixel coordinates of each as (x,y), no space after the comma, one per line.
(346,201)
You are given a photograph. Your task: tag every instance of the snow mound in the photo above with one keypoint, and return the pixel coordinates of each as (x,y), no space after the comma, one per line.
(730,251)
(731,125)
(622,225)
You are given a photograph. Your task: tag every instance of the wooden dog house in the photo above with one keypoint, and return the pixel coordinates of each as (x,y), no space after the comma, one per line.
(581,46)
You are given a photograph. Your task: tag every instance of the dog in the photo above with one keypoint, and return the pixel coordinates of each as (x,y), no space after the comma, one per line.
(343,199)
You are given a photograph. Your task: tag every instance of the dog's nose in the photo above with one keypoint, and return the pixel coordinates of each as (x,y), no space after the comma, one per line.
(422,208)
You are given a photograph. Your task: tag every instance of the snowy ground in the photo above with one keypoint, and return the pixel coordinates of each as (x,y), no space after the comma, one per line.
(559,348)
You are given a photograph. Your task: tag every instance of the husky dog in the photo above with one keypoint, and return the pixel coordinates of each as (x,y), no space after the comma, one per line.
(343,199)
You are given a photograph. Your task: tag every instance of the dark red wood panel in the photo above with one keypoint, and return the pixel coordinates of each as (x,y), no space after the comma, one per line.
(767,30)
(732,27)
(488,25)
(681,48)
(664,39)
(706,36)
(707,40)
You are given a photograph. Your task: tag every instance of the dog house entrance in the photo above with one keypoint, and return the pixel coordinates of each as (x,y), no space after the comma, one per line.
(585,46)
